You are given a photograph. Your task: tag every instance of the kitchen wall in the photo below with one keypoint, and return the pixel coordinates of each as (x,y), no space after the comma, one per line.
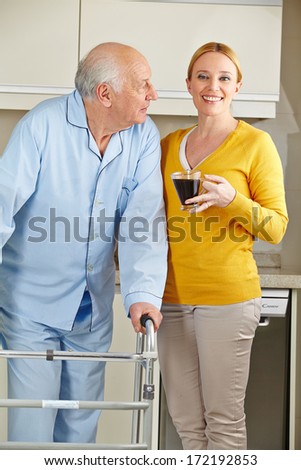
(290,71)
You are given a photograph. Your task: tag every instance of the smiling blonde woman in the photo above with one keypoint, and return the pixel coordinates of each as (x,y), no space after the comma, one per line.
(212,296)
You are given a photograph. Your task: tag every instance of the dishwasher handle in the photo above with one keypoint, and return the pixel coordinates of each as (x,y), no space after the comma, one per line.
(264,321)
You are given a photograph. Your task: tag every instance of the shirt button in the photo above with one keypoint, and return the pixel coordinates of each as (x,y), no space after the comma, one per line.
(90,267)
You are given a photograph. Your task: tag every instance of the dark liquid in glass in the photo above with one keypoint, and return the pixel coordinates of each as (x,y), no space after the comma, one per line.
(186,188)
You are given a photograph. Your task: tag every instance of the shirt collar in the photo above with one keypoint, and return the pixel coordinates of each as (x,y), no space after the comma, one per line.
(76,113)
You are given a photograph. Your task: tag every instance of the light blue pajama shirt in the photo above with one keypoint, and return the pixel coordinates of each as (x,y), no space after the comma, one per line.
(62,207)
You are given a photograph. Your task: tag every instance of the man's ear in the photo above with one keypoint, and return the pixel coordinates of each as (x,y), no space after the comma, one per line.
(103,93)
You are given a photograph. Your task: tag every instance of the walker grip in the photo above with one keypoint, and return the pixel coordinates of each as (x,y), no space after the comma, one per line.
(144,318)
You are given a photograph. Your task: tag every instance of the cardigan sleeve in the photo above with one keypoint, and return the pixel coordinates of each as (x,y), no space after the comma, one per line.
(264,213)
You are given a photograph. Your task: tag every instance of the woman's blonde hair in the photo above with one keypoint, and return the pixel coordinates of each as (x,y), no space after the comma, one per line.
(215,47)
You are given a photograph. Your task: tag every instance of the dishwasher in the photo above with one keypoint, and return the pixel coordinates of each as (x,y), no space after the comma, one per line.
(267,397)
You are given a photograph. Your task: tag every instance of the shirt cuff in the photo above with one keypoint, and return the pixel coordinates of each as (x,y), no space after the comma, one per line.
(135,297)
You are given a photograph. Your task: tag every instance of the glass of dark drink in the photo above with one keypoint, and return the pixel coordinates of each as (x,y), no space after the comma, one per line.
(187,184)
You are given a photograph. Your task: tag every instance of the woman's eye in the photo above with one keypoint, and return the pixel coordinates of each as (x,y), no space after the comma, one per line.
(202,76)
(225,78)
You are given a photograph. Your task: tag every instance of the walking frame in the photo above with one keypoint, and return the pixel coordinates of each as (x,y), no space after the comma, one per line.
(141,406)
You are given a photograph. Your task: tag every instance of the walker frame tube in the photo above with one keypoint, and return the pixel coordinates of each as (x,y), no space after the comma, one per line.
(142,400)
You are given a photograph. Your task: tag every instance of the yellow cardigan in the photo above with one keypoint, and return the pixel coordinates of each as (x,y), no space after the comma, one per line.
(210,254)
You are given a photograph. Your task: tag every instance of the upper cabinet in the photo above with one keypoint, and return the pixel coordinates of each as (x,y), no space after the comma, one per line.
(42,40)
(224,2)
(169,33)
(38,50)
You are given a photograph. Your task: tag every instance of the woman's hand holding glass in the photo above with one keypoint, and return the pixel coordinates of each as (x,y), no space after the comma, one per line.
(217,191)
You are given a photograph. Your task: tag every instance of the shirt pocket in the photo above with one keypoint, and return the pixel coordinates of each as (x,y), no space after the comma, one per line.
(128,185)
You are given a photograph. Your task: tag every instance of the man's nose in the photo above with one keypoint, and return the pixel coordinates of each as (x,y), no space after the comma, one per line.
(152,93)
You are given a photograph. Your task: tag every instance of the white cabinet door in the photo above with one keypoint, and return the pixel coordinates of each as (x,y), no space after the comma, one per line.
(115,426)
(38,47)
(169,33)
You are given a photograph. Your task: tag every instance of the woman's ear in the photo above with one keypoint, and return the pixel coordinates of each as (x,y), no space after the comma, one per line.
(238,87)
(188,85)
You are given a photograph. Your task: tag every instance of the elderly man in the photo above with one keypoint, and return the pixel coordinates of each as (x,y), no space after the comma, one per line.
(79,172)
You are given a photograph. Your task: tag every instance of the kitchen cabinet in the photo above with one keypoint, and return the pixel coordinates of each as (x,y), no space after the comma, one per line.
(42,40)
(38,50)
(225,2)
(169,33)
(116,426)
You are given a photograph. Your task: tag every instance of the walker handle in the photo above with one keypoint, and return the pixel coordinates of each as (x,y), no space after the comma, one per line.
(144,318)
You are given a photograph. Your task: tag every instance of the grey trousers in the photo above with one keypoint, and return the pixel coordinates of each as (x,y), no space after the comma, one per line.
(204,356)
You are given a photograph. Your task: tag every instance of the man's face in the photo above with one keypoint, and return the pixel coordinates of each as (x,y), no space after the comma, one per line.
(131,103)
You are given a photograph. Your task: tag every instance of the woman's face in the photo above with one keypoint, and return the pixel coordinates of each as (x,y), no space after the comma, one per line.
(213,83)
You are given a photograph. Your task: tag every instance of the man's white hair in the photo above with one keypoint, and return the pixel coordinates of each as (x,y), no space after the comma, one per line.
(96,68)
